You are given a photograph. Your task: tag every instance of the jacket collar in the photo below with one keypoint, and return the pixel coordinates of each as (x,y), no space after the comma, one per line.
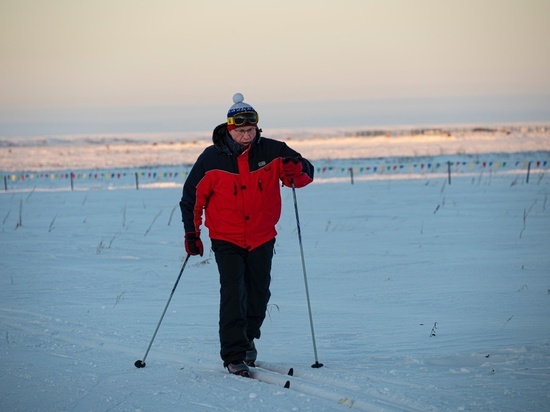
(225,144)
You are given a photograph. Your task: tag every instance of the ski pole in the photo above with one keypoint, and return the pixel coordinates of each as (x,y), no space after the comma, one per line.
(140,363)
(316,364)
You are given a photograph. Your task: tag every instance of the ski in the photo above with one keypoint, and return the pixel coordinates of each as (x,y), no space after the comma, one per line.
(283,370)
(271,373)
(268,373)
(267,376)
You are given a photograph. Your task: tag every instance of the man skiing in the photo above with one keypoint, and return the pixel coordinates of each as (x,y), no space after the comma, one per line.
(236,182)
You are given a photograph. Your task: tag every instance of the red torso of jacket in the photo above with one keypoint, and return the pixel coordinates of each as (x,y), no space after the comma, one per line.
(240,194)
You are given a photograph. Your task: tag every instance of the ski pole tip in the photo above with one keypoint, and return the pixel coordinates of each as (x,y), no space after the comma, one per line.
(139,364)
(317,365)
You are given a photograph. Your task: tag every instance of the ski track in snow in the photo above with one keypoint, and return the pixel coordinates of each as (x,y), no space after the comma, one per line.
(425,296)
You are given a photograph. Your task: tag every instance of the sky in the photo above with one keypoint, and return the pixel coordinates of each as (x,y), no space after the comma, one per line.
(139,60)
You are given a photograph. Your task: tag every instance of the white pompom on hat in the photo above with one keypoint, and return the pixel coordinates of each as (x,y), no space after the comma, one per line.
(239,106)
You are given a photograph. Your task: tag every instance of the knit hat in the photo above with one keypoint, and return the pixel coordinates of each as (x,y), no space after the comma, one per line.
(249,115)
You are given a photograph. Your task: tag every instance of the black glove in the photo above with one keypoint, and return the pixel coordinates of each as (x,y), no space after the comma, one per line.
(193,244)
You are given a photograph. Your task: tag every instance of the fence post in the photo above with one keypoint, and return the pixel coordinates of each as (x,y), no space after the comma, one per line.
(72,181)
(351,174)
(528,171)
(449,171)
(5,183)
(137,181)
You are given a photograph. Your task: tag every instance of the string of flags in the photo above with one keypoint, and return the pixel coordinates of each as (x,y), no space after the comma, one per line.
(413,167)
(179,175)
(97,175)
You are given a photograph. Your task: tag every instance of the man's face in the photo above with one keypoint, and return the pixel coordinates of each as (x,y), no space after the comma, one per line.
(243,135)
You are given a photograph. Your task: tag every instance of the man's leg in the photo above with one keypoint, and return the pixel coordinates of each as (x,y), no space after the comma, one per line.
(258,279)
(232,325)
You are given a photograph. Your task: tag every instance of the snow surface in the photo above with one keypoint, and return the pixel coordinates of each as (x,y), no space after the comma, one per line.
(98,151)
(425,295)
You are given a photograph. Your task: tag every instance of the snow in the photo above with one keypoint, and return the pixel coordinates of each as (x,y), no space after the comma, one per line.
(97,151)
(425,295)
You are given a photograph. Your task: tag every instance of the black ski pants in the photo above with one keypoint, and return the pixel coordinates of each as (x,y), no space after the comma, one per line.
(245,277)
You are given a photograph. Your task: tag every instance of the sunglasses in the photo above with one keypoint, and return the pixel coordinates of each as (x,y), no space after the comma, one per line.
(240,119)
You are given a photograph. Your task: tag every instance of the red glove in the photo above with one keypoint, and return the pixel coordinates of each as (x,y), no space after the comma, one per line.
(193,244)
(292,167)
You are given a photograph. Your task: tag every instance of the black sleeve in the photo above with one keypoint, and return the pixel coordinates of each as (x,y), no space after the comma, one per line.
(189,196)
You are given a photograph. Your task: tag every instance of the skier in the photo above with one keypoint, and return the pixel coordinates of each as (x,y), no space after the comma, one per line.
(236,181)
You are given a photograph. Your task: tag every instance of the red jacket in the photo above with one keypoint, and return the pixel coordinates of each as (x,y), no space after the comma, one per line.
(239,193)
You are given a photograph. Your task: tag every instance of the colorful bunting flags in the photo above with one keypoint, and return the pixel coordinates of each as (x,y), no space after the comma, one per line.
(370,167)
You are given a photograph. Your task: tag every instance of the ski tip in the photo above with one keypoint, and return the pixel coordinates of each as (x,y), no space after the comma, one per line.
(290,372)
(287,384)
